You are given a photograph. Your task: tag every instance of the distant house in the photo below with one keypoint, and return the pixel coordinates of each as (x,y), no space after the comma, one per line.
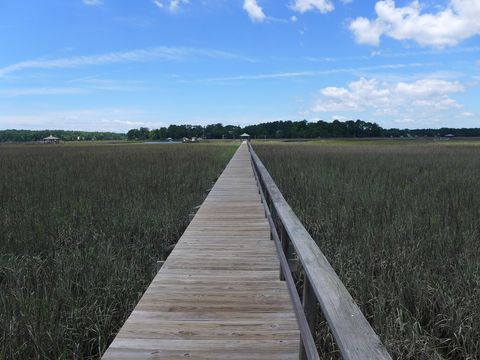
(450,136)
(245,136)
(51,140)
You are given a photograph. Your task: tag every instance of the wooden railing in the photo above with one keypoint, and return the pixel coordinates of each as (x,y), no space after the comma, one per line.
(353,335)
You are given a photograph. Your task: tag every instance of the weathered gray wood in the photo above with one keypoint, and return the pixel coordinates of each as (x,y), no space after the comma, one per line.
(284,241)
(160,264)
(294,265)
(309,302)
(217,295)
(308,348)
(353,334)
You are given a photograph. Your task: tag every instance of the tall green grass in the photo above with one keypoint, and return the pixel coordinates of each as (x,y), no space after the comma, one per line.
(400,224)
(81,229)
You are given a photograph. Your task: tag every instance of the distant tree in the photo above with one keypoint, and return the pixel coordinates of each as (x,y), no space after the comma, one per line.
(177,131)
(138,134)
(158,134)
(143,133)
(132,134)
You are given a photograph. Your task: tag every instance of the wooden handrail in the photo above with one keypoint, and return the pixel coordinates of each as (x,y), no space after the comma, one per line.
(307,349)
(353,334)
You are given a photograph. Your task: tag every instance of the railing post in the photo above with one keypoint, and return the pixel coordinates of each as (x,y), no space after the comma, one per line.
(284,241)
(309,302)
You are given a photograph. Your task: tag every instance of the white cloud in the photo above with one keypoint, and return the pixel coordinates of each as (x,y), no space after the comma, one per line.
(303,6)
(459,20)
(254,10)
(93,2)
(172,5)
(390,99)
(366,31)
(159,53)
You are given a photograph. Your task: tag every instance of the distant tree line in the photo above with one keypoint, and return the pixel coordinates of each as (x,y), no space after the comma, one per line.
(459,132)
(292,130)
(323,129)
(65,135)
(271,130)
(214,131)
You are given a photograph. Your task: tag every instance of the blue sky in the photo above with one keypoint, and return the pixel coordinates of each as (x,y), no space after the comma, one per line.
(114,65)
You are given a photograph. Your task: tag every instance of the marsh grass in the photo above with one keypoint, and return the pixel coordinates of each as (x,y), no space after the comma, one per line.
(400,224)
(81,228)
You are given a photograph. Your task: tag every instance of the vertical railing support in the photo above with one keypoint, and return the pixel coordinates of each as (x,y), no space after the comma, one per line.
(284,241)
(309,302)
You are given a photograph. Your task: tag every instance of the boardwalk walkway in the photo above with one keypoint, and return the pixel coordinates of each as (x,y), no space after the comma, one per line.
(218,295)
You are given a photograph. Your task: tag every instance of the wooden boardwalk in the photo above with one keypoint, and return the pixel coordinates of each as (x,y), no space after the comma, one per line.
(218,295)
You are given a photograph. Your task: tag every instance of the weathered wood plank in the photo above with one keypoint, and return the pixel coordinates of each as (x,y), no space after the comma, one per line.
(124,349)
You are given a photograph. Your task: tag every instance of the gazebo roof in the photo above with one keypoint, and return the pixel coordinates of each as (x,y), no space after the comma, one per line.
(51,137)
(244,134)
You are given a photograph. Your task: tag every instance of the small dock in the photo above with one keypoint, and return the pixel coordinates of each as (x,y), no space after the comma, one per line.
(219,293)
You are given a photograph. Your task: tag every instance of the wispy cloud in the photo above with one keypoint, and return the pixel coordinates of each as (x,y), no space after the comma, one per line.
(93,2)
(140,55)
(383,54)
(13,92)
(300,74)
(320,59)
(303,6)
(103,119)
(79,86)
(99,83)
(171,5)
